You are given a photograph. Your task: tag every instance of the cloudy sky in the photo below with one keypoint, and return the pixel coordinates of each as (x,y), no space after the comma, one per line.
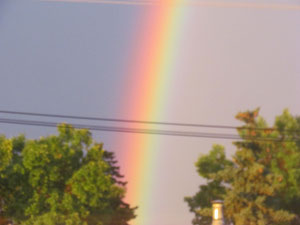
(71,58)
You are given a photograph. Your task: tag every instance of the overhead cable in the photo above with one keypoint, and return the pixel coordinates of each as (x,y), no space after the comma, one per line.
(143,131)
(103,119)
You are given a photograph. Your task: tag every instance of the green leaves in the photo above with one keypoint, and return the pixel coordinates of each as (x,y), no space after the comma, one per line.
(210,167)
(260,186)
(5,152)
(63,179)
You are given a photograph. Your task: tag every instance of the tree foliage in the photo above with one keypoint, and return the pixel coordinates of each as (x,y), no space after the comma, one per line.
(61,179)
(260,185)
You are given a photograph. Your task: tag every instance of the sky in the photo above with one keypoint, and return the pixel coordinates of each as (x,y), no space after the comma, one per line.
(72,58)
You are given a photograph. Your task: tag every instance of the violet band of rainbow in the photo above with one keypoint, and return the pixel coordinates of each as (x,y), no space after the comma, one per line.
(150,76)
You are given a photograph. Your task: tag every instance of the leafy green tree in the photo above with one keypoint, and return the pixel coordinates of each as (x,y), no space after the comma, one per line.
(260,185)
(63,179)
(5,152)
(14,186)
(200,203)
(5,158)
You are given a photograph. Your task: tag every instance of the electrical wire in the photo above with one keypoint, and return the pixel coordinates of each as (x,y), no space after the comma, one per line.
(114,120)
(143,131)
(194,3)
(138,121)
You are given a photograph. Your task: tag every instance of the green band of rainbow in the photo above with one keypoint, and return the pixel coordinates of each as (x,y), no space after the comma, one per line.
(150,76)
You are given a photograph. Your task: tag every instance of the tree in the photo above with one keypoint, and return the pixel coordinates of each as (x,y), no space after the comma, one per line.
(5,152)
(63,179)
(260,185)
(200,204)
(5,158)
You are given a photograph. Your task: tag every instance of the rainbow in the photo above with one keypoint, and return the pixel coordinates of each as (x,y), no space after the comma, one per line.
(148,81)
(149,75)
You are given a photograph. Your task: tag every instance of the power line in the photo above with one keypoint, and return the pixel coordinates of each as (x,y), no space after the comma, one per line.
(142,131)
(194,3)
(115,120)
(137,121)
